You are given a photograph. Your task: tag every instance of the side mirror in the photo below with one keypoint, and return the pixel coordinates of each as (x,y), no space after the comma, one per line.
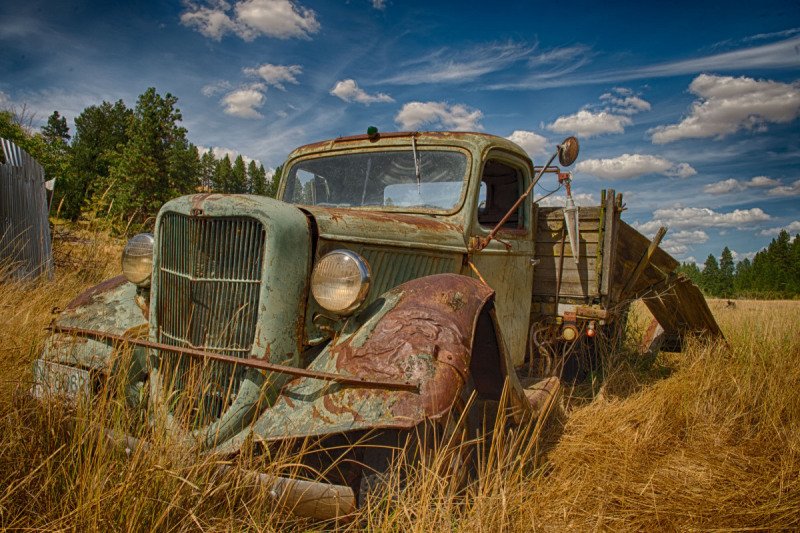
(568,151)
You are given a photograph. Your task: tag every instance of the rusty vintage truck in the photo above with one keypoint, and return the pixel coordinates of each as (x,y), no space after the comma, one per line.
(396,273)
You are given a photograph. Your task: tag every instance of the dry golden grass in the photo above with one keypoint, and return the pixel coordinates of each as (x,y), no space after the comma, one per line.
(706,439)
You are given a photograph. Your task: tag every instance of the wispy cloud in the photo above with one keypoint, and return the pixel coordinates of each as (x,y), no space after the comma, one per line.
(276,75)
(779,55)
(451,66)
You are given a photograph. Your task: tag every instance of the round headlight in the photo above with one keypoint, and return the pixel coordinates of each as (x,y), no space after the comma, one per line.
(340,281)
(137,259)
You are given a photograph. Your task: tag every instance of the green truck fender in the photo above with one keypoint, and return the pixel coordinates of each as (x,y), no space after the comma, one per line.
(110,307)
(433,332)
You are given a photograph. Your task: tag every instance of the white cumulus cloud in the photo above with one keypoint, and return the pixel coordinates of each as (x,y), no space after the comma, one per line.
(413,115)
(733,185)
(611,116)
(276,75)
(590,123)
(793,229)
(628,166)
(282,19)
(244,103)
(686,218)
(786,190)
(533,143)
(727,105)
(349,91)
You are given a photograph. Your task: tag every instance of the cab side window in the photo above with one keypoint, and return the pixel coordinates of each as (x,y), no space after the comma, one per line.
(501,186)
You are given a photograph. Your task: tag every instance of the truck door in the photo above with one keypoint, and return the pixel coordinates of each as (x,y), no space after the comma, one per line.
(505,264)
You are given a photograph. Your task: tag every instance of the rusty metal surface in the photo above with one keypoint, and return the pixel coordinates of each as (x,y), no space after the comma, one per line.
(25,245)
(282,291)
(420,332)
(89,294)
(109,306)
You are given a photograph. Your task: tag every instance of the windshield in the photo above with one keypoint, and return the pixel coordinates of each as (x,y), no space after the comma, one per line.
(379,179)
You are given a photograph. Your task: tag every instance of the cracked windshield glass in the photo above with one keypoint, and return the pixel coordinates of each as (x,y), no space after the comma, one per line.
(380,179)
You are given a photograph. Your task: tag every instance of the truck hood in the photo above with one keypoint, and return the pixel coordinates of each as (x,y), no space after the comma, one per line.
(388,229)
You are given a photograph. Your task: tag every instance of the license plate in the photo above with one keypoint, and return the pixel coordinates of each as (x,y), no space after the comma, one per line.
(54,379)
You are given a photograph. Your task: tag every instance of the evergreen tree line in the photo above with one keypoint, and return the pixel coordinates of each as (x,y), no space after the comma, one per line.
(774,272)
(122,164)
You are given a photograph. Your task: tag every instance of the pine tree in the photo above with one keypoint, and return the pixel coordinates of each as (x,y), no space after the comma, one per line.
(710,278)
(238,183)
(274,181)
(156,164)
(726,274)
(258,178)
(56,129)
(100,132)
(208,165)
(743,280)
(222,175)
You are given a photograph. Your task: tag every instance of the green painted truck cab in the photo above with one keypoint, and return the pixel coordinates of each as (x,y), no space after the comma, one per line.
(233,313)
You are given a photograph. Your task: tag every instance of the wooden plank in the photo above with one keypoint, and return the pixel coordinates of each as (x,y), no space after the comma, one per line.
(609,251)
(554,213)
(557,224)
(553,249)
(555,237)
(644,262)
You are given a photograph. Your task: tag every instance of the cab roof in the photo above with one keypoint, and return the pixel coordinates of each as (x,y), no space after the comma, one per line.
(466,139)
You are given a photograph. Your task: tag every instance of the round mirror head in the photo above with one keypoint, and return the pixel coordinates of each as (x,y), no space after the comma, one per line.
(568,151)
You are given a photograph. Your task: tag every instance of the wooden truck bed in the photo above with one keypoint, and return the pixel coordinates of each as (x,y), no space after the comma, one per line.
(616,264)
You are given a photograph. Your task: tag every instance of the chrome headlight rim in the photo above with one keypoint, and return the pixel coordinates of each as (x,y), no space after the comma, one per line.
(137,259)
(365,274)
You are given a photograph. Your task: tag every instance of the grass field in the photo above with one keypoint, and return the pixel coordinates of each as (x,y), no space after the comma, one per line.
(707,439)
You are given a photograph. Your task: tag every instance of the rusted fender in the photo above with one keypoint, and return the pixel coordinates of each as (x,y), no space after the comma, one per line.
(421,332)
(109,306)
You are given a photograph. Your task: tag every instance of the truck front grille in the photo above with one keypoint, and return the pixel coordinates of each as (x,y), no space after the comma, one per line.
(209,281)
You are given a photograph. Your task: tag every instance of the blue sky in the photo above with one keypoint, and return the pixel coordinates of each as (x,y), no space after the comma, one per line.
(689,108)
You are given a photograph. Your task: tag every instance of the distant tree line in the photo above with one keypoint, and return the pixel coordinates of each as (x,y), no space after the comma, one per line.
(774,272)
(120,165)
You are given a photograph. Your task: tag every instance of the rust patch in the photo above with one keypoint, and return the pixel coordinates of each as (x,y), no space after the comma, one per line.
(426,339)
(339,409)
(422,222)
(88,295)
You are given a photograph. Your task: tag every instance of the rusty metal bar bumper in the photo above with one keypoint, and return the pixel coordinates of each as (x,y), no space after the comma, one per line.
(248,362)
(309,499)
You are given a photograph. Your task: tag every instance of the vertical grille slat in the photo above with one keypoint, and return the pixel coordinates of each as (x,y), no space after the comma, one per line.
(208,297)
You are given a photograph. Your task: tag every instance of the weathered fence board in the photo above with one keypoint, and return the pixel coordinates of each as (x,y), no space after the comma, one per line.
(25,245)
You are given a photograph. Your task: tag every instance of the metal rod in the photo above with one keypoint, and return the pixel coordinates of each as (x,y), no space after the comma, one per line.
(483,243)
(250,362)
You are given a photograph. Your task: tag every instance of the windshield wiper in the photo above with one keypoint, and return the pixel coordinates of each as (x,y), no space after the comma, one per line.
(416,163)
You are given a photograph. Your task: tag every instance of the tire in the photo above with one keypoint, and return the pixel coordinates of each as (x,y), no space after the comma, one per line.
(407,448)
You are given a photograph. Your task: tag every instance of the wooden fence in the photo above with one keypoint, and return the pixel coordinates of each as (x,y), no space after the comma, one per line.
(25,245)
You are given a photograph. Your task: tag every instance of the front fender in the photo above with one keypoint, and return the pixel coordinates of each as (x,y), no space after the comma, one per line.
(421,332)
(110,307)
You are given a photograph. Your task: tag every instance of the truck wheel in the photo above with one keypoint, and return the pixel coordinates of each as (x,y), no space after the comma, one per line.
(407,448)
